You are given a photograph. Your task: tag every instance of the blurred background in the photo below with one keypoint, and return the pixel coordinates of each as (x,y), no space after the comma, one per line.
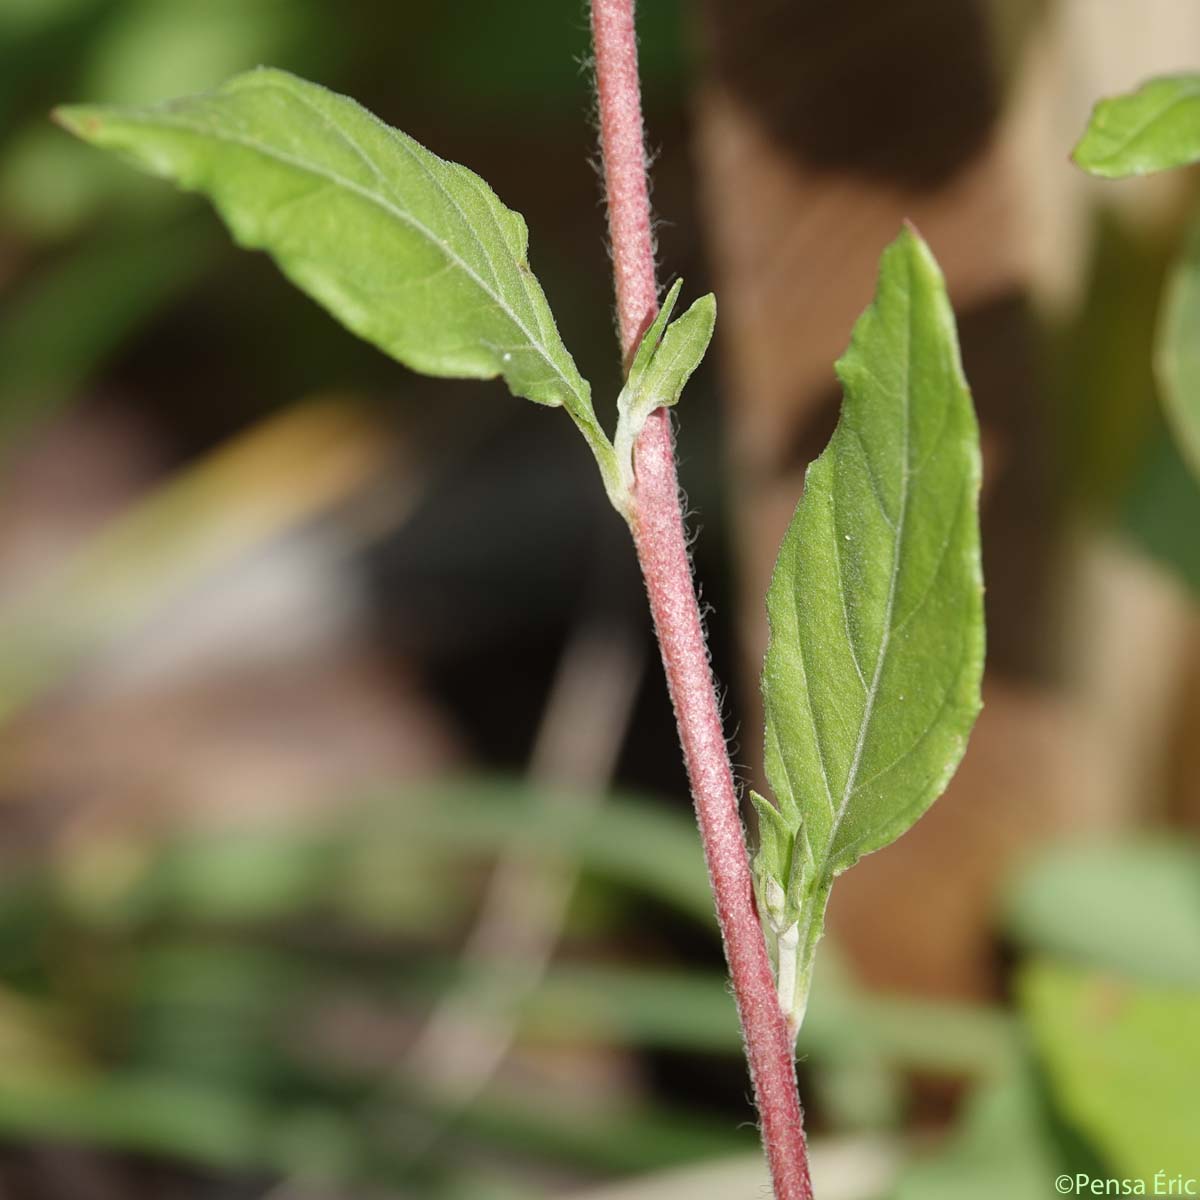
(345,849)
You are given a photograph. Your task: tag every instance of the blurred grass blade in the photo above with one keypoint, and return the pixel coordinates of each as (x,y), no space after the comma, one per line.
(150,1115)
(1128,907)
(1177,349)
(1002,1150)
(690,1010)
(81,310)
(664,362)
(629,840)
(260,874)
(1161,510)
(149,49)
(1151,129)
(637,1137)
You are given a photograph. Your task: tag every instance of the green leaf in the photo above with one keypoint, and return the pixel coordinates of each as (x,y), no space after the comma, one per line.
(872,674)
(773,862)
(1177,349)
(1151,129)
(415,254)
(1123,1061)
(692,1010)
(664,362)
(150,50)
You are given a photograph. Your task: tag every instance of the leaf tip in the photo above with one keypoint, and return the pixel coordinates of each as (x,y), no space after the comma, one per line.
(911,242)
(1078,155)
(80,119)
(672,294)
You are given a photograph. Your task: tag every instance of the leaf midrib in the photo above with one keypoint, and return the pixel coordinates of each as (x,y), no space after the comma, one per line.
(380,201)
(1149,123)
(890,605)
(416,155)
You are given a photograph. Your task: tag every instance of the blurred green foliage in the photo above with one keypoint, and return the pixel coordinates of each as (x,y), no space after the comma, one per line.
(186,996)
(1133,909)
(1122,1058)
(163,998)
(1002,1149)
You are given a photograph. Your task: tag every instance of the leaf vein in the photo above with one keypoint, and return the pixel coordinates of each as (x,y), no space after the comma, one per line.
(873,479)
(841,587)
(873,690)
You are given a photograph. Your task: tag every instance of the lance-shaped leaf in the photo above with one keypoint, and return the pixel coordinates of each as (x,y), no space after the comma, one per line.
(415,254)
(1151,129)
(664,362)
(1177,353)
(872,674)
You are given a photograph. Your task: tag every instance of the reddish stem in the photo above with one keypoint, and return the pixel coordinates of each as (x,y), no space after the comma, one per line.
(658,532)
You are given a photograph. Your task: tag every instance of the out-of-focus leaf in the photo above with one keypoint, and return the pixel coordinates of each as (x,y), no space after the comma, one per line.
(1161,511)
(858,1094)
(629,840)
(242,875)
(636,1006)
(1151,129)
(637,1138)
(222,1128)
(21,18)
(921,1035)
(414,254)
(38,39)
(247,878)
(161,1116)
(538,77)
(1123,1060)
(846,1023)
(1001,1151)
(1104,404)
(149,49)
(843,1168)
(872,675)
(743,1175)
(136,52)
(211,1013)
(689,1010)
(77,313)
(218,1010)
(51,186)
(1177,352)
(1128,907)
(30,1044)
(254,875)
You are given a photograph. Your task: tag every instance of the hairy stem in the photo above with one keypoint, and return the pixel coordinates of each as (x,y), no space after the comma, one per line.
(656,518)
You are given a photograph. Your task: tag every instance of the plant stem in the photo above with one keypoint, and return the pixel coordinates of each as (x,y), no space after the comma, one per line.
(656,519)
